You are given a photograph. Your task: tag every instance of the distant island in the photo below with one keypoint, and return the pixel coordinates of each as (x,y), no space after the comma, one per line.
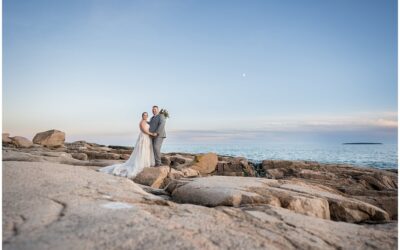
(358,143)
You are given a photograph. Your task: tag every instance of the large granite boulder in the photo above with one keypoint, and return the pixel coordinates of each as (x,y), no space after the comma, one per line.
(50,138)
(153,176)
(205,163)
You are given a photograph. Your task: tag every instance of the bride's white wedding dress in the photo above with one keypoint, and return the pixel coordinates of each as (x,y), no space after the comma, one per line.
(142,156)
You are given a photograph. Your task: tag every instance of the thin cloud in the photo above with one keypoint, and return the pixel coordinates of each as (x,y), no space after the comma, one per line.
(368,126)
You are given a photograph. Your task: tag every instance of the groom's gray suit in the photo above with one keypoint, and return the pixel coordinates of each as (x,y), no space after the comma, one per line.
(157,125)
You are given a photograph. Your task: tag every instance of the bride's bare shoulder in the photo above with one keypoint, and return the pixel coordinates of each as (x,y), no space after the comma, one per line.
(142,123)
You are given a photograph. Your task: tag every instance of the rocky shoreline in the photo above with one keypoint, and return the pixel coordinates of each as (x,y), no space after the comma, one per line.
(53,198)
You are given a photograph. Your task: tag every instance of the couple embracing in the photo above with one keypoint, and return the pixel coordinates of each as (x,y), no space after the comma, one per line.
(147,151)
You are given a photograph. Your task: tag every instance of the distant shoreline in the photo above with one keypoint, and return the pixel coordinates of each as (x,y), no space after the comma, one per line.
(361,143)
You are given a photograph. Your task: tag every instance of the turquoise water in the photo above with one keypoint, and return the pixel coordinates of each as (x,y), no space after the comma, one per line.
(378,156)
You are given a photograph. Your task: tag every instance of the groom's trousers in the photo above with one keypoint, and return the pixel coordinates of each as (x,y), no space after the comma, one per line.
(157,149)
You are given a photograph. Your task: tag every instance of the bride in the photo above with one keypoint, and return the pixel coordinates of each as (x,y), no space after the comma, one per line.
(141,157)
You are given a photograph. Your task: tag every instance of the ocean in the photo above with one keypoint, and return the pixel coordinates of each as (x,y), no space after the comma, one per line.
(377,156)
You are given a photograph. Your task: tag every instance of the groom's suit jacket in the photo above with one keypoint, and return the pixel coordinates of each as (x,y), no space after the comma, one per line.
(157,125)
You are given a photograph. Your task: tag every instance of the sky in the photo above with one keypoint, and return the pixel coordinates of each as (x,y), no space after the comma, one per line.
(227,71)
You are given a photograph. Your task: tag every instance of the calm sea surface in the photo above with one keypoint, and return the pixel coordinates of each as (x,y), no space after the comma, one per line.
(378,156)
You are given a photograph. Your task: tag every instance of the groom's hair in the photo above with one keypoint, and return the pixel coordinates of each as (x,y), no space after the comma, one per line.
(155,106)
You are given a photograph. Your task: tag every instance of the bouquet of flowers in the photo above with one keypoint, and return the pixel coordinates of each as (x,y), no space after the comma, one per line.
(164,112)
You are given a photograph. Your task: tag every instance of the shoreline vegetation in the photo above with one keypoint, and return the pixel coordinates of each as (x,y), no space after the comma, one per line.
(193,201)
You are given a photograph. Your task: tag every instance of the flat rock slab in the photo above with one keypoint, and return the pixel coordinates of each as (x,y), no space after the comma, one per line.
(56,206)
(316,200)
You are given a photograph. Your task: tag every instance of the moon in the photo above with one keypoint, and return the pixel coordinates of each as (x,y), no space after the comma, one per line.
(244,74)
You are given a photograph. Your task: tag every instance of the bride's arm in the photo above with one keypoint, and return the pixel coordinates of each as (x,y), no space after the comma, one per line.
(144,129)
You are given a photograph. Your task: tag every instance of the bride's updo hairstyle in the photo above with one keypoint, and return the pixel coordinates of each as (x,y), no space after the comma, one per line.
(144,114)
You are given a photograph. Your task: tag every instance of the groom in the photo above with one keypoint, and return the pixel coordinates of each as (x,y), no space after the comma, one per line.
(157,125)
